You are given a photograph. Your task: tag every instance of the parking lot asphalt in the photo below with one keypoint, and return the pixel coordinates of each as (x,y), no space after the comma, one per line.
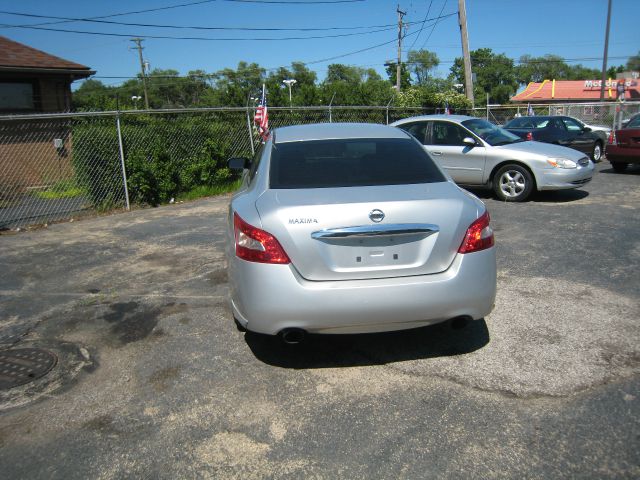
(153,380)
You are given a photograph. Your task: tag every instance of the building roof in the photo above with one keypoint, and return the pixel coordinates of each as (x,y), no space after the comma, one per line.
(16,56)
(582,90)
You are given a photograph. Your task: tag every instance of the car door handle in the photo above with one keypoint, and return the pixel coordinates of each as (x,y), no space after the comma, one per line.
(435,153)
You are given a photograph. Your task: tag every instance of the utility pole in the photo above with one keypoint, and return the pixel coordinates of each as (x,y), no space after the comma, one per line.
(468,78)
(606,53)
(398,66)
(138,41)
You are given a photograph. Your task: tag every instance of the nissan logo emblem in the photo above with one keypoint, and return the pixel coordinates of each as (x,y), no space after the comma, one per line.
(376,215)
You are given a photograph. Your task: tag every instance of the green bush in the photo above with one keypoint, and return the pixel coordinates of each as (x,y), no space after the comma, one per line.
(97,164)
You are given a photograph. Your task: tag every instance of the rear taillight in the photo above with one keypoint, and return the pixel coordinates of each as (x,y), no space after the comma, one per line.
(529,136)
(612,138)
(255,245)
(479,236)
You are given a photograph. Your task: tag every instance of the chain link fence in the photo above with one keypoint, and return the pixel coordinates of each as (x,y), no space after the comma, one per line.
(610,115)
(58,166)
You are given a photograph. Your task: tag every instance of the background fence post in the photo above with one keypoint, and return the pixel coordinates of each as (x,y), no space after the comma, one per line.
(124,171)
(253,152)
(330,103)
(388,109)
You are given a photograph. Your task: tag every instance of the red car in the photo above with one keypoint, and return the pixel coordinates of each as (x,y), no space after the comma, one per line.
(624,145)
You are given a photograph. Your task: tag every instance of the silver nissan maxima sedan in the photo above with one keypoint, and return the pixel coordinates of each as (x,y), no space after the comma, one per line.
(476,152)
(352,228)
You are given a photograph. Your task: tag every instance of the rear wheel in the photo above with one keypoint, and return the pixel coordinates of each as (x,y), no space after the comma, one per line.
(513,183)
(619,166)
(596,154)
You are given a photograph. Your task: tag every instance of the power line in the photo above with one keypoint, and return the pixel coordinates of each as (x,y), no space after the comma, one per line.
(295,2)
(208,39)
(372,47)
(422,26)
(169,7)
(180,5)
(194,27)
(435,24)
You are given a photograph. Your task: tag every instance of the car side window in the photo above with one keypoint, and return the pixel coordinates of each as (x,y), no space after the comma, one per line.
(445,133)
(572,125)
(255,162)
(417,129)
(556,124)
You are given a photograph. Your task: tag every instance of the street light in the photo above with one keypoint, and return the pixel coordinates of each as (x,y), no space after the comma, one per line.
(288,82)
(135,99)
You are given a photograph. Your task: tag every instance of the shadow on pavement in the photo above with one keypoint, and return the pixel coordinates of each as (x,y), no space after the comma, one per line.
(559,196)
(547,196)
(630,170)
(332,351)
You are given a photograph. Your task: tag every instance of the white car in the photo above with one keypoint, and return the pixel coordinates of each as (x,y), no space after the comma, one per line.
(475,152)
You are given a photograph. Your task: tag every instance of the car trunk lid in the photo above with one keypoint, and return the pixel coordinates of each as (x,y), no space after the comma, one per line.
(332,233)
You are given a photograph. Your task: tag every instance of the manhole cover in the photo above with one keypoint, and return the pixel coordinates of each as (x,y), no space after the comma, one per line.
(24,365)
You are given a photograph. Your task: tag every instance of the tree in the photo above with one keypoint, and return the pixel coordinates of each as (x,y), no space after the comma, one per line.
(349,85)
(421,64)
(338,72)
(613,71)
(392,72)
(93,95)
(633,64)
(495,75)
(552,67)
(233,87)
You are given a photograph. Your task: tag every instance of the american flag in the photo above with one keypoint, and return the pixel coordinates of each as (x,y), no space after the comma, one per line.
(530,111)
(261,118)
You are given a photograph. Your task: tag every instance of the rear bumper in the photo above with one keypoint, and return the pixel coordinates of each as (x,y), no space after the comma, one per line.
(561,179)
(626,155)
(270,298)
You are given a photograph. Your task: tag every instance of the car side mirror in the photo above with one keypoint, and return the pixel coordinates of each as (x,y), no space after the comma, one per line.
(470,142)
(238,163)
(586,129)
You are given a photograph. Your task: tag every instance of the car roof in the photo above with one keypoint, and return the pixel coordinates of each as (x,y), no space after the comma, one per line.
(541,117)
(331,131)
(455,118)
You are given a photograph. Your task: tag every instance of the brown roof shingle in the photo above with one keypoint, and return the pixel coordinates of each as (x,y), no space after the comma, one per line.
(14,54)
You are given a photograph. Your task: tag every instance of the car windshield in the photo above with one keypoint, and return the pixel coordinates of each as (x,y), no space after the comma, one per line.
(351,163)
(491,133)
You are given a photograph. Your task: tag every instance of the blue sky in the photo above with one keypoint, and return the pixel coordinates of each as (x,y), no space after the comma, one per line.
(573,29)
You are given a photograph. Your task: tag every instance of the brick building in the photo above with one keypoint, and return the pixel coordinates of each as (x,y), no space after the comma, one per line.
(34,154)
(34,81)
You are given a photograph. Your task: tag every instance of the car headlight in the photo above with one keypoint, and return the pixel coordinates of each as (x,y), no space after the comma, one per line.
(561,163)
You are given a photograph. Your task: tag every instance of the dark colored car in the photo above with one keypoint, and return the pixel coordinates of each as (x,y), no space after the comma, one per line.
(624,145)
(560,130)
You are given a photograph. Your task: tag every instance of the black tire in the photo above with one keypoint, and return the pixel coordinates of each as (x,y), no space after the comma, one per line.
(513,183)
(596,153)
(618,166)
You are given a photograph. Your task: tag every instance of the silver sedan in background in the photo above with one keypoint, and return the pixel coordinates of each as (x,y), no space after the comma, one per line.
(476,152)
(352,228)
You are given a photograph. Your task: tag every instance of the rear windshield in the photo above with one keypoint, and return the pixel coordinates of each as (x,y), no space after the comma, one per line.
(525,122)
(351,163)
(634,123)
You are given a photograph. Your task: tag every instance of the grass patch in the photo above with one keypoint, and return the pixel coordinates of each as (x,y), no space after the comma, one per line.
(209,191)
(62,189)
